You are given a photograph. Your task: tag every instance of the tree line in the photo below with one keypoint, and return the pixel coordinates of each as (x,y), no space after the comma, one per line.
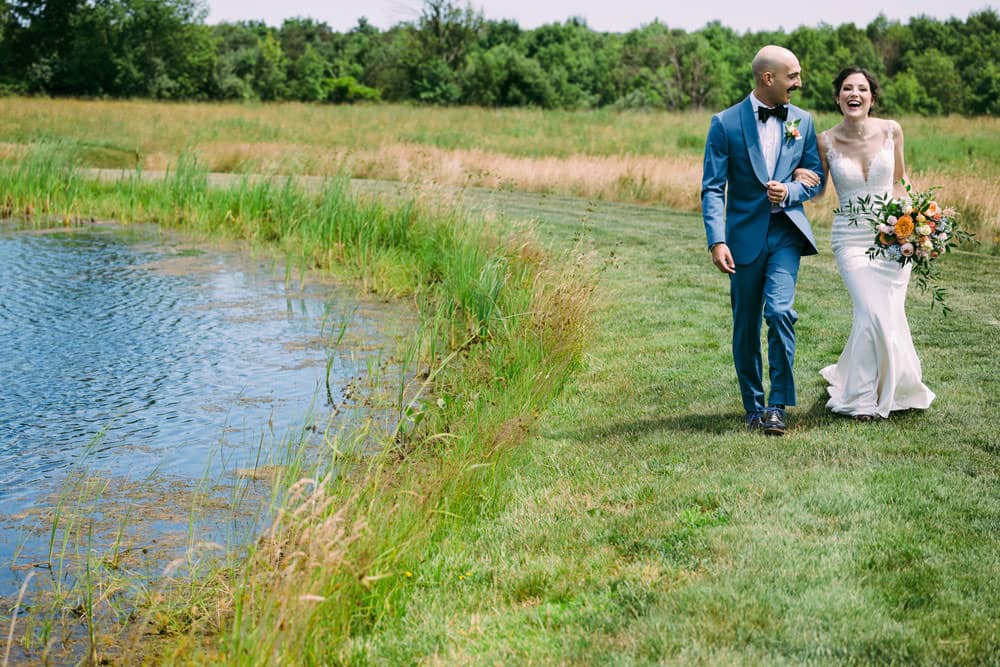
(451,54)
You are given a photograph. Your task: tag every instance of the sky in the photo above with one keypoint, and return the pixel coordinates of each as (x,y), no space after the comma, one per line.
(618,16)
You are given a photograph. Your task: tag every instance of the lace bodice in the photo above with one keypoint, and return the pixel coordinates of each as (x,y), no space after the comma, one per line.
(849,176)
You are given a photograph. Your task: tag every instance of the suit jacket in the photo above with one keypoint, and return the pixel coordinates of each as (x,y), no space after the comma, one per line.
(740,214)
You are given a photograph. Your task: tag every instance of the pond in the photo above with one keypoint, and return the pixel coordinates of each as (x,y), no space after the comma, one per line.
(136,358)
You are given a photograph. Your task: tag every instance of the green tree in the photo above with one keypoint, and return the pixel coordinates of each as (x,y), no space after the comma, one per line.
(306,76)
(578,62)
(939,83)
(502,77)
(436,83)
(649,71)
(978,62)
(901,94)
(269,73)
(446,32)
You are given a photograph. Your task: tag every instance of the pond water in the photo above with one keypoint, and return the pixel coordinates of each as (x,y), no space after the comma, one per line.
(134,356)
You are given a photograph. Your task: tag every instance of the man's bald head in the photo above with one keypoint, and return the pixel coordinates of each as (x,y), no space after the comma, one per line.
(776,73)
(770,58)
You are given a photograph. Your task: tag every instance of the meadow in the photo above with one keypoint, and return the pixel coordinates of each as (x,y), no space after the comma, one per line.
(615,156)
(579,488)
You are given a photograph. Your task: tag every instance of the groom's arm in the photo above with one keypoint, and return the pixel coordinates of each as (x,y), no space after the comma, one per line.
(798,191)
(713,183)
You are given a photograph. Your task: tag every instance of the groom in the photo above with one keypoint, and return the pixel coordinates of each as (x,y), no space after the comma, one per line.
(757,230)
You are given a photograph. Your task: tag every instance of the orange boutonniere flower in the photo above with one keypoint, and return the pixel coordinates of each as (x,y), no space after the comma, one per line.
(904,226)
(792,130)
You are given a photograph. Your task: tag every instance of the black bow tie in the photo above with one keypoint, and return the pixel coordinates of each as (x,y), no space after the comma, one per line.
(779,112)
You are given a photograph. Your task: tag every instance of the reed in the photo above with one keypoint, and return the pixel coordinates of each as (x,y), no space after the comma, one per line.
(502,328)
(614,156)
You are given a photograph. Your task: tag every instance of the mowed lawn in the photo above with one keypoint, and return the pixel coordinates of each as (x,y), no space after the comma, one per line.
(640,524)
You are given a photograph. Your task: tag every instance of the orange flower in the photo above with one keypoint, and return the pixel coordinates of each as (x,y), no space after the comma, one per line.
(884,239)
(933,210)
(904,226)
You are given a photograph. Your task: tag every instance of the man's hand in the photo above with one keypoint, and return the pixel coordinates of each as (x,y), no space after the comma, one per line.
(776,192)
(722,258)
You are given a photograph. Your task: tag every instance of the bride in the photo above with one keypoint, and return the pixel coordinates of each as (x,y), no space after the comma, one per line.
(878,371)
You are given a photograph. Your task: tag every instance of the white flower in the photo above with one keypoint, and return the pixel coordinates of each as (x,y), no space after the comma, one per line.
(907,206)
(906,249)
(927,244)
(942,237)
(887,229)
(892,220)
(924,230)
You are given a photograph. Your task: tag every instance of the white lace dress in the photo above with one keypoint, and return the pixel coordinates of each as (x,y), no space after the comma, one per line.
(878,371)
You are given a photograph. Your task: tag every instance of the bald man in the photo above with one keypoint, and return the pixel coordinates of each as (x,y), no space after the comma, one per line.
(757,230)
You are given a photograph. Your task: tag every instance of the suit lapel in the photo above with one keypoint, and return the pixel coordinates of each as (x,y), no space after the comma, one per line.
(786,149)
(752,140)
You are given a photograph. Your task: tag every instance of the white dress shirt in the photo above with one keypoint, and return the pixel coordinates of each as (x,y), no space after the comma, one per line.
(770,136)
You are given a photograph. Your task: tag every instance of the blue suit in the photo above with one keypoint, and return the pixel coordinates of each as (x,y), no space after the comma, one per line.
(766,245)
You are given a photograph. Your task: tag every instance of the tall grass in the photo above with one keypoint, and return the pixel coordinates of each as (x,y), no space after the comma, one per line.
(615,156)
(502,329)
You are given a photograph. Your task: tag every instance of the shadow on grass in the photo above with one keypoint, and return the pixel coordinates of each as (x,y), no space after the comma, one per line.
(801,419)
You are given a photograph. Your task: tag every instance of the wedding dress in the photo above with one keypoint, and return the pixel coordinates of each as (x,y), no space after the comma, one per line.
(878,371)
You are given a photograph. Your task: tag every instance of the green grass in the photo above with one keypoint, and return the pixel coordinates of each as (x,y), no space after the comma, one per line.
(116,133)
(500,331)
(635,521)
(640,524)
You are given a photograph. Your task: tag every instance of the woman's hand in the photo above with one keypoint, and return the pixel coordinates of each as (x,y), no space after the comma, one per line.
(806,176)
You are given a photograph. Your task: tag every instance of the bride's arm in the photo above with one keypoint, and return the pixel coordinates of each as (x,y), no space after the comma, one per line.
(807,176)
(899,172)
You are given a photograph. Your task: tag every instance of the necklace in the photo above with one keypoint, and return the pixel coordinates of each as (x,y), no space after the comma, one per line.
(860,131)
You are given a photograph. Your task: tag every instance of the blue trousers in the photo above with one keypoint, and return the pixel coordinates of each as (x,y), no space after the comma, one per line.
(767,286)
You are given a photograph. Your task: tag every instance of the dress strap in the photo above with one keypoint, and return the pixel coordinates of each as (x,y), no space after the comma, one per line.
(830,150)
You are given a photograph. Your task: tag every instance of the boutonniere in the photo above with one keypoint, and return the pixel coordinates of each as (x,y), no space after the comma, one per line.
(792,130)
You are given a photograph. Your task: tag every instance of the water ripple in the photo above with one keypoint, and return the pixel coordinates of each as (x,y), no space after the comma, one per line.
(139,369)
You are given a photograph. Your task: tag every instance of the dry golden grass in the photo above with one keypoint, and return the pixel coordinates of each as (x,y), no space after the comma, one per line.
(630,157)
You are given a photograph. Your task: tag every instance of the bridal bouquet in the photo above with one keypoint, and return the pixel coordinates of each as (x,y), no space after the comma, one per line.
(912,229)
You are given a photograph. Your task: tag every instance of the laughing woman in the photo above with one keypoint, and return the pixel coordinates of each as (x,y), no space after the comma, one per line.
(878,372)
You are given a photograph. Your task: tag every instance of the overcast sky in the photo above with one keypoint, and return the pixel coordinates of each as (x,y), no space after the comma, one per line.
(617,16)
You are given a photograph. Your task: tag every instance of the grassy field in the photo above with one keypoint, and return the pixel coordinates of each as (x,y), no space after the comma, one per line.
(629,519)
(640,524)
(500,330)
(627,157)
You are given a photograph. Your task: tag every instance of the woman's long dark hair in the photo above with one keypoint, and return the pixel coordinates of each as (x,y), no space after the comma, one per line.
(848,71)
